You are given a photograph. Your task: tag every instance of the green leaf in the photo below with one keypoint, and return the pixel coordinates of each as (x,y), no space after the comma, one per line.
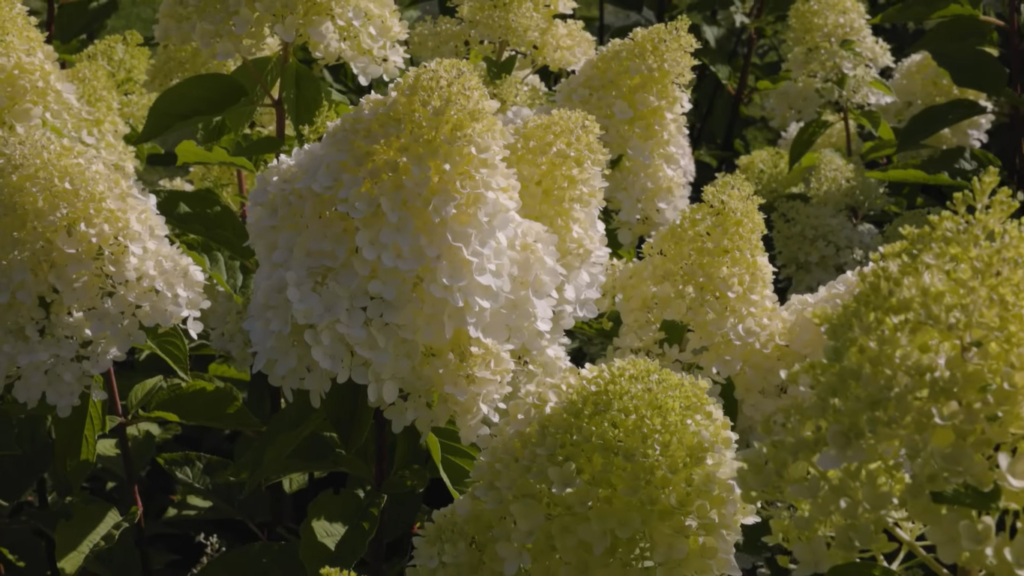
(972,68)
(32,436)
(196,469)
(216,405)
(805,139)
(872,120)
(258,559)
(204,214)
(730,405)
(878,149)
(924,10)
(969,496)
(284,432)
(674,331)
(934,119)
(8,429)
(169,344)
(434,446)
(250,73)
(960,31)
(909,176)
(303,94)
(260,147)
(881,86)
(338,529)
(860,569)
(143,392)
(188,152)
(89,523)
(75,439)
(83,17)
(350,413)
(197,97)
(458,460)
(498,70)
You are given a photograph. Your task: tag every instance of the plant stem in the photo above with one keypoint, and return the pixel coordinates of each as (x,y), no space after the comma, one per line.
(600,22)
(129,472)
(993,21)
(741,86)
(280,113)
(51,19)
(846,126)
(240,178)
(260,80)
(378,546)
(913,547)
(1017,132)
(43,501)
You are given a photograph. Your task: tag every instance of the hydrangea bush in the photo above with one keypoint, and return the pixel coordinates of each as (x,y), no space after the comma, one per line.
(511,287)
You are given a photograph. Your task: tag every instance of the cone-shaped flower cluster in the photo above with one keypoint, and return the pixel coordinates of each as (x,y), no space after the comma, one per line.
(392,253)
(632,471)
(368,34)
(919,393)
(84,258)
(638,89)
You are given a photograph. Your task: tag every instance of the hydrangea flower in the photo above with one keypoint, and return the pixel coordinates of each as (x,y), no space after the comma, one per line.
(530,28)
(392,253)
(632,470)
(559,163)
(368,34)
(918,82)
(919,392)
(173,63)
(85,262)
(638,89)
(110,79)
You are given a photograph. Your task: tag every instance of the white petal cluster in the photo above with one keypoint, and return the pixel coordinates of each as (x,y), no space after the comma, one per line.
(815,214)
(637,89)
(559,163)
(110,79)
(919,393)
(224,321)
(709,272)
(533,29)
(368,34)
(832,56)
(392,253)
(632,472)
(918,83)
(84,258)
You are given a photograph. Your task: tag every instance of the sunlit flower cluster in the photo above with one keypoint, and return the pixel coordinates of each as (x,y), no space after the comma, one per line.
(172,63)
(368,34)
(84,259)
(918,394)
(638,89)
(919,82)
(633,470)
(392,253)
(832,56)
(110,79)
(559,163)
(497,28)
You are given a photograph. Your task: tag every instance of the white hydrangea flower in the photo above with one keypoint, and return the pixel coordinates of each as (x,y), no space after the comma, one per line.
(612,480)
(918,83)
(529,28)
(392,253)
(110,76)
(84,259)
(637,89)
(559,163)
(224,321)
(367,34)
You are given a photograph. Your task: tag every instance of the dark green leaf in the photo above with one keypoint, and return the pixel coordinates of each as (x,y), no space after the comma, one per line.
(878,149)
(674,331)
(194,98)
(32,437)
(286,430)
(730,405)
(258,559)
(805,139)
(907,176)
(143,392)
(82,17)
(196,469)
(349,413)
(303,94)
(969,496)
(881,86)
(972,68)
(8,429)
(924,10)
(216,405)
(960,31)
(934,119)
(75,439)
(260,147)
(90,522)
(499,70)
(458,459)
(202,213)
(169,344)
(872,120)
(188,152)
(860,569)
(338,529)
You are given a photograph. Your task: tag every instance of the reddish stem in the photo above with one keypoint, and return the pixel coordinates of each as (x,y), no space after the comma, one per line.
(741,86)
(51,19)
(1017,133)
(129,470)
